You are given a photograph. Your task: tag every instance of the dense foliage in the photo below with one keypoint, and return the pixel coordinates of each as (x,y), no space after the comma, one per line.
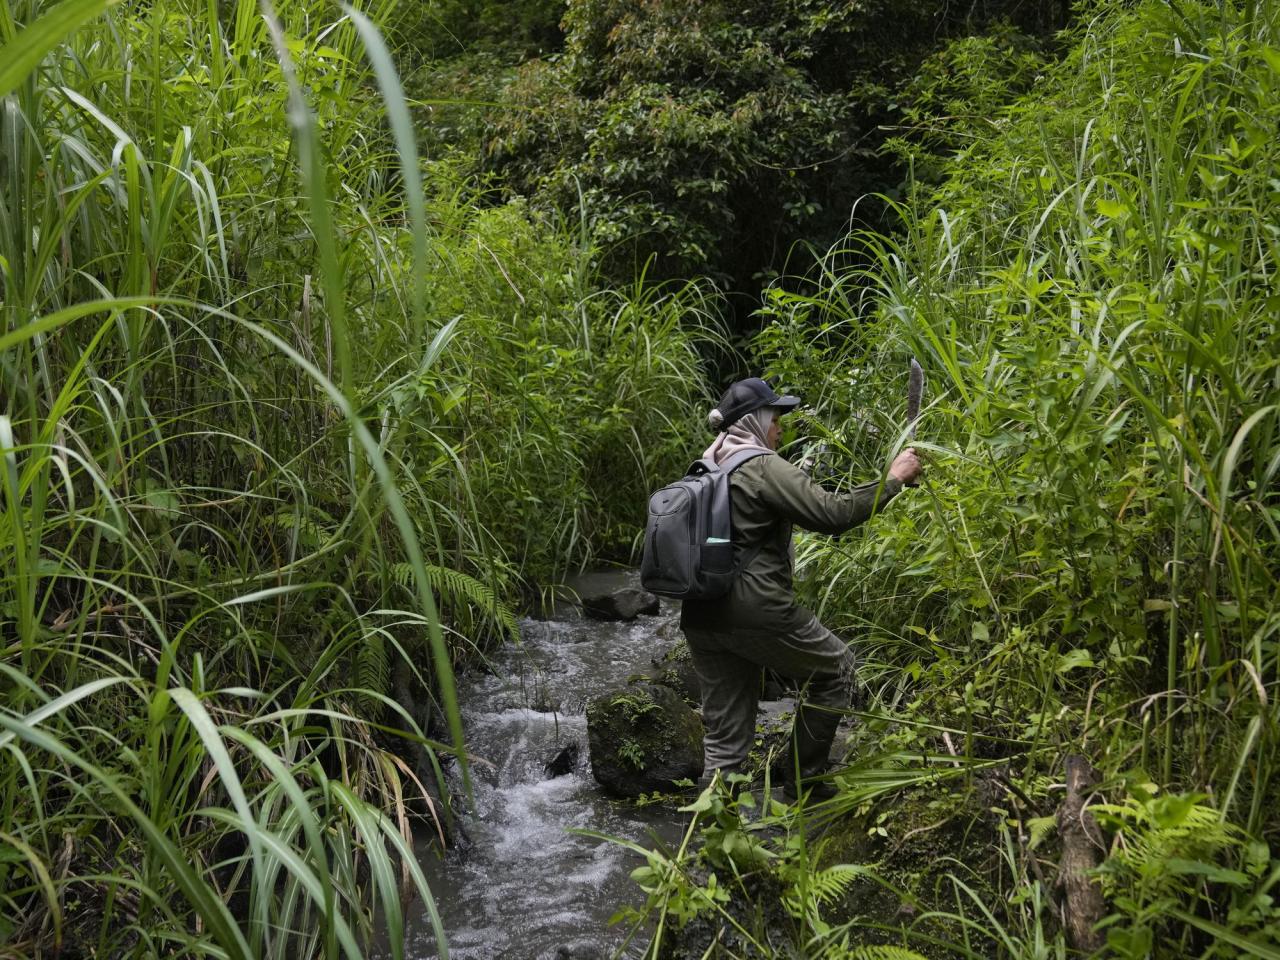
(714,136)
(278,442)
(511,31)
(1090,566)
(294,408)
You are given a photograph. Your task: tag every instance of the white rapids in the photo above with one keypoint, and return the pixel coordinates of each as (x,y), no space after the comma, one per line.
(523,887)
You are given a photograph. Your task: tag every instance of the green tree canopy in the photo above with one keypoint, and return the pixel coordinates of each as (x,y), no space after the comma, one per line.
(713,136)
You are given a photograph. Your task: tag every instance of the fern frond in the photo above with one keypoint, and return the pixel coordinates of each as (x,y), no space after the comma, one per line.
(1040,828)
(372,672)
(311,527)
(883,952)
(1161,834)
(821,888)
(455,590)
(834,882)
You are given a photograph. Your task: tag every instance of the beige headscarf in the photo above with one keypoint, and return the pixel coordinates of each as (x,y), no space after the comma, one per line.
(748,432)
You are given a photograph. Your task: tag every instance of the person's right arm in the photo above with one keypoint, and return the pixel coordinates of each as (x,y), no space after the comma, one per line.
(794,496)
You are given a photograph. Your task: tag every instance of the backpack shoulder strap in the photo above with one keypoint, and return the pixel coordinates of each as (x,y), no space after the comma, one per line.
(700,467)
(733,463)
(738,459)
(730,465)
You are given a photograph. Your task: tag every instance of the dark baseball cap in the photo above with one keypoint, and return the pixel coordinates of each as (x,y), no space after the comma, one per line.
(747,395)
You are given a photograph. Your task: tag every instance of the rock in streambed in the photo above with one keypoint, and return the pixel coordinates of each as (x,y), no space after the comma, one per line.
(675,669)
(624,604)
(564,762)
(642,738)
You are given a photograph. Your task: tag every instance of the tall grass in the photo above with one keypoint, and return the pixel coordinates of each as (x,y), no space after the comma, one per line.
(269,396)
(1091,564)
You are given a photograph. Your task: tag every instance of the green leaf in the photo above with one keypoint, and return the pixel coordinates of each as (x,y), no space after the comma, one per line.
(29,46)
(1112,209)
(52,321)
(1210,871)
(1226,935)
(701,805)
(1074,658)
(406,145)
(163,500)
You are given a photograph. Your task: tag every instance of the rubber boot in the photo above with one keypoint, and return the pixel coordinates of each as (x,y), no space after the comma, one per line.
(811,743)
(813,786)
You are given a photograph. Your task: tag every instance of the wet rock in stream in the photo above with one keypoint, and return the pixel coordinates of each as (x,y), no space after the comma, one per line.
(643,738)
(675,669)
(583,950)
(565,761)
(624,604)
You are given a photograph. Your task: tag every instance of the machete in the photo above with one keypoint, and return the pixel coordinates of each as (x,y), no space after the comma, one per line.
(915,392)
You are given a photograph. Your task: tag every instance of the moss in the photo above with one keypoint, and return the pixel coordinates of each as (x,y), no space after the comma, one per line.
(643,738)
(915,841)
(675,669)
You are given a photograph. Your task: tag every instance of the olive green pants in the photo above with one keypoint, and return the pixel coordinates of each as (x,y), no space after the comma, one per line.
(729,670)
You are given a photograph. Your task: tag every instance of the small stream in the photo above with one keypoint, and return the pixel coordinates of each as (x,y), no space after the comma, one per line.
(522,886)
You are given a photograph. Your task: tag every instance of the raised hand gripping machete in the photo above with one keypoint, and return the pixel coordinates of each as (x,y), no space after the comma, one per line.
(915,392)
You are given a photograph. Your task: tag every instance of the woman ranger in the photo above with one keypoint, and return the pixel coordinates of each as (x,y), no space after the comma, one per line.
(759,623)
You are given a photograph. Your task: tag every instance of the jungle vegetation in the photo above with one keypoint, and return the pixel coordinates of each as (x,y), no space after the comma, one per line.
(335,335)
(1090,566)
(284,431)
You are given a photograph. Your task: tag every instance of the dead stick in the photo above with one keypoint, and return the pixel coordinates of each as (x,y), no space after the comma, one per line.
(1081,897)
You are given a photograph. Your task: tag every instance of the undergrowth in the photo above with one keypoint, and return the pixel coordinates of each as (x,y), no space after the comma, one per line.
(1090,564)
(288,416)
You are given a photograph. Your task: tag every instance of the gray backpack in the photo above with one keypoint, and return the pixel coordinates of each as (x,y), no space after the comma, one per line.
(688,539)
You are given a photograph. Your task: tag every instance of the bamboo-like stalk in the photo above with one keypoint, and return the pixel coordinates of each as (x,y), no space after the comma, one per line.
(235,499)
(1093,293)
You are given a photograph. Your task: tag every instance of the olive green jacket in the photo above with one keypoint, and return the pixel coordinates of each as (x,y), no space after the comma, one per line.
(769,495)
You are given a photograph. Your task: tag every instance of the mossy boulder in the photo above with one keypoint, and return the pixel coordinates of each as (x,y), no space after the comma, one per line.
(643,738)
(675,669)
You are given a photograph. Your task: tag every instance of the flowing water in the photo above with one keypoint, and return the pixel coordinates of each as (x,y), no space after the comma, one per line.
(521,885)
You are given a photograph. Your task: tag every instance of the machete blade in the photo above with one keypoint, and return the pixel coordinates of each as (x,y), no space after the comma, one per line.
(915,392)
